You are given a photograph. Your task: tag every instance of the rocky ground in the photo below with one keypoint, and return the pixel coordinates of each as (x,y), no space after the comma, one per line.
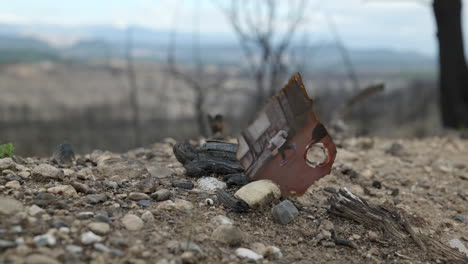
(139,207)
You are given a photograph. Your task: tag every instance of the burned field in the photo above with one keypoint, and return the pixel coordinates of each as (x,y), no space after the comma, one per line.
(141,207)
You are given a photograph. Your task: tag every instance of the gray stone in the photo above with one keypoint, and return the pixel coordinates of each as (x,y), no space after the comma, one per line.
(35,210)
(46,172)
(228,234)
(159,172)
(273,253)
(161,195)
(9,206)
(96,198)
(182,184)
(7,163)
(137,196)
(132,222)
(258,193)
(284,212)
(144,203)
(13,185)
(90,238)
(4,244)
(177,247)
(74,249)
(45,240)
(64,190)
(111,184)
(40,259)
(99,228)
(147,216)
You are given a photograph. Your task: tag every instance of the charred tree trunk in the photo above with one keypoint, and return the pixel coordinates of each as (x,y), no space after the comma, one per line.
(453,73)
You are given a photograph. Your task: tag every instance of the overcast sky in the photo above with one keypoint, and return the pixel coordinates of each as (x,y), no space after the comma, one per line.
(396,24)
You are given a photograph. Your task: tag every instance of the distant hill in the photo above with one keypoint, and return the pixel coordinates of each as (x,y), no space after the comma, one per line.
(42,41)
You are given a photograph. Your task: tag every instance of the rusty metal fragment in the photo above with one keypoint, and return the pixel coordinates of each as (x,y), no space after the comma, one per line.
(282,143)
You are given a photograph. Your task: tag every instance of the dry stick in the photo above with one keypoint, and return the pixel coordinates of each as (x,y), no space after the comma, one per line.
(347,205)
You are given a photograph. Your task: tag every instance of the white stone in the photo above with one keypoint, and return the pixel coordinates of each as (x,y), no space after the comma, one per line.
(456,243)
(132,222)
(210,184)
(47,171)
(99,228)
(273,253)
(247,253)
(7,163)
(45,240)
(258,193)
(221,220)
(147,216)
(90,238)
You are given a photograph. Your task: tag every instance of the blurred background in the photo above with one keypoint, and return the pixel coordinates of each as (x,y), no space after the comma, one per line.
(120,74)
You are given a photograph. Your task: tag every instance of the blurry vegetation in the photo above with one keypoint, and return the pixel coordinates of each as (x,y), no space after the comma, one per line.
(7,151)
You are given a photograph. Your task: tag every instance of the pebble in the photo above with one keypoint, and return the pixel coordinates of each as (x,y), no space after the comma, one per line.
(147,216)
(228,234)
(90,238)
(221,220)
(284,212)
(4,244)
(182,184)
(247,253)
(9,206)
(161,195)
(160,172)
(65,190)
(132,222)
(111,184)
(144,203)
(80,187)
(137,196)
(456,243)
(45,240)
(35,210)
(74,249)
(7,163)
(258,193)
(96,198)
(46,171)
(177,247)
(40,259)
(273,253)
(13,185)
(99,228)
(84,215)
(210,184)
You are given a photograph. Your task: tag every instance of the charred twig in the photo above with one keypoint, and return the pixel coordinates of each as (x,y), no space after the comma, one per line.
(229,201)
(393,223)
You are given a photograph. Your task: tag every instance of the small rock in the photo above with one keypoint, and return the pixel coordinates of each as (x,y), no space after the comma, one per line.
(45,240)
(236,179)
(111,184)
(24,174)
(189,257)
(284,212)
(147,216)
(13,185)
(324,234)
(258,193)
(90,238)
(144,203)
(247,253)
(456,243)
(4,244)
(461,219)
(99,228)
(210,184)
(182,184)
(221,220)
(40,259)
(161,195)
(330,189)
(228,234)
(7,163)
(80,187)
(259,248)
(273,253)
(328,244)
(137,196)
(373,236)
(9,206)
(327,225)
(132,222)
(65,190)
(396,149)
(84,215)
(96,198)
(377,184)
(46,172)
(74,249)
(35,210)
(182,204)
(177,247)
(159,172)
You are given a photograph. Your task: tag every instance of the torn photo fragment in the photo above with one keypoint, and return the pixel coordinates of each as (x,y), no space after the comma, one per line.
(286,143)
